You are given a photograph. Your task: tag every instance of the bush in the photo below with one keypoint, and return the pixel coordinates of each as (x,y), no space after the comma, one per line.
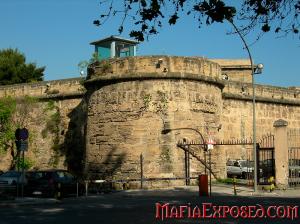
(26,164)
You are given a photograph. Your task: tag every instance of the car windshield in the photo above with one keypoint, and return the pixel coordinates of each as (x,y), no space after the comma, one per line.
(11,174)
(246,163)
(230,163)
(60,174)
(64,175)
(68,175)
(35,175)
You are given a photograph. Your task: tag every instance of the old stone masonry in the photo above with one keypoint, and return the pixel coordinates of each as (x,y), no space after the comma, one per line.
(116,116)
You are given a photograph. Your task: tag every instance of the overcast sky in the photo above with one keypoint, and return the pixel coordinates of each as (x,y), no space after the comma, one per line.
(57,33)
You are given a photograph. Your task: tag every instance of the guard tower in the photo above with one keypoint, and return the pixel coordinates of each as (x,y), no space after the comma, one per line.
(114,46)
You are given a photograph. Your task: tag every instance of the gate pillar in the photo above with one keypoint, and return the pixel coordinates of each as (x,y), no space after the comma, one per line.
(281,154)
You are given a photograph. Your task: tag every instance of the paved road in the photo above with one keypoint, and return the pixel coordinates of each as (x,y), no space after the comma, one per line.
(139,207)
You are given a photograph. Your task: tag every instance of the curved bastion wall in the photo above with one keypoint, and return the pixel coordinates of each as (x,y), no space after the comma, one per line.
(131,100)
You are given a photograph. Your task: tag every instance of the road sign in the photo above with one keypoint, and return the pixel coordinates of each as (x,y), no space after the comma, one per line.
(210,144)
(22,134)
(22,145)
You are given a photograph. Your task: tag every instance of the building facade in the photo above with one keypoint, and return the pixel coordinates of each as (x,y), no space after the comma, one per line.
(111,124)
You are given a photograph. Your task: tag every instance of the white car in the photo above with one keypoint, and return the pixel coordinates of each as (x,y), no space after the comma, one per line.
(240,168)
(12,178)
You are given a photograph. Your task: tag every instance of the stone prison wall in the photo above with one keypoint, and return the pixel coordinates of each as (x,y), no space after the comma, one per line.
(118,113)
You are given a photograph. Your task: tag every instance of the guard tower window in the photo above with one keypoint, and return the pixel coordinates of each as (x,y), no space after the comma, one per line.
(114,47)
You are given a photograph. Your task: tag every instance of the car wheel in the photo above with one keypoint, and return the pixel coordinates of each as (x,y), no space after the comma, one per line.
(244,175)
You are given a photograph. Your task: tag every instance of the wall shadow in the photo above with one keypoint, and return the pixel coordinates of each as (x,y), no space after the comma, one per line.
(108,168)
(74,147)
(74,142)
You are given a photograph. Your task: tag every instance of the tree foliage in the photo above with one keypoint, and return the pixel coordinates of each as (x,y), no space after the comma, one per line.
(14,69)
(13,114)
(149,16)
(7,109)
(83,65)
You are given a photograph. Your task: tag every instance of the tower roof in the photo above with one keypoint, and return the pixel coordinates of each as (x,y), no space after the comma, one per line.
(114,38)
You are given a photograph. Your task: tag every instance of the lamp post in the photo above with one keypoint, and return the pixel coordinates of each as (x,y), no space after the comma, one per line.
(166,131)
(254,70)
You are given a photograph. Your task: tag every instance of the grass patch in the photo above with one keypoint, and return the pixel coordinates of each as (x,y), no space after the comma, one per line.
(227,181)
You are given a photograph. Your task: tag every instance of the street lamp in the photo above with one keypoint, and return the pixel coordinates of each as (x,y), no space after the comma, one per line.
(168,130)
(254,70)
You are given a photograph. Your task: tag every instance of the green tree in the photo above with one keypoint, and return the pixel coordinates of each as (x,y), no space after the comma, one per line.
(83,65)
(14,69)
(7,109)
(13,114)
(149,16)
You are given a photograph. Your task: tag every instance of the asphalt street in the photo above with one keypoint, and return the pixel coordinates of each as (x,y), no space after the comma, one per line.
(139,206)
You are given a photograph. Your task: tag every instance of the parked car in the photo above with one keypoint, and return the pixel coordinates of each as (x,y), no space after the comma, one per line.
(50,182)
(12,177)
(240,168)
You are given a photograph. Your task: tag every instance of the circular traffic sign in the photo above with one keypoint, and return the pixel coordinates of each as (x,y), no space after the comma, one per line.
(22,134)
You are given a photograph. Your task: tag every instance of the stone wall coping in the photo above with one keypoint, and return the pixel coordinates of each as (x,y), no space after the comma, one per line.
(288,95)
(263,86)
(62,96)
(67,88)
(236,67)
(243,64)
(41,83)
(160,64)
(261,99)
(199,58)
(149,76)
(162,56)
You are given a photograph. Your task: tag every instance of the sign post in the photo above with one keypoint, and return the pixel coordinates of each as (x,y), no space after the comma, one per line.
(22,146)
(210,146)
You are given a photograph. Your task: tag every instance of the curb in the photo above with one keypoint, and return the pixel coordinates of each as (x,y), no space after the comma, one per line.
(16,203)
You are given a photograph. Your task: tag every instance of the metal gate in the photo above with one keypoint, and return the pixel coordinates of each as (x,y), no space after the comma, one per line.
(265,164)
(265,159)
(294,157)
(264,151)
(294,166)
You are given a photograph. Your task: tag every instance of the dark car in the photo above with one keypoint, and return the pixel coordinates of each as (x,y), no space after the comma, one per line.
(12,177)
(52,183)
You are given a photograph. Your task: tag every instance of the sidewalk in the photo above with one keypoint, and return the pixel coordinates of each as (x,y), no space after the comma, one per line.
(227,189)
(26,201)
(182,191)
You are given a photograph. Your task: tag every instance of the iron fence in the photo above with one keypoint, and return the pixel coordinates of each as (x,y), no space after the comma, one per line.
(294,167)
(294,157)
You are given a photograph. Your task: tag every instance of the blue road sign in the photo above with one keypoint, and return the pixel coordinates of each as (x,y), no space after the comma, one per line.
(22,145)
(22,134)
